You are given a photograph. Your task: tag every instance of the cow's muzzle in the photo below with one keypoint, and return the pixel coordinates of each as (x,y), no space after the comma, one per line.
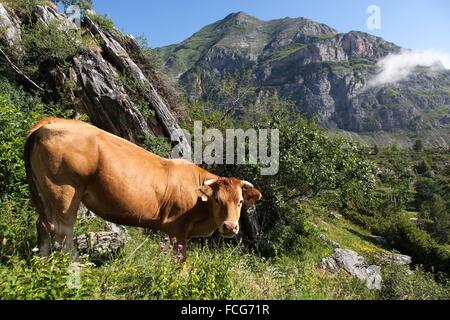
(229,229)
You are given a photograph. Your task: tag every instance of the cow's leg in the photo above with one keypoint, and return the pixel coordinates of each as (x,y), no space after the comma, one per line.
(65,201)
(43,237)
(43,225)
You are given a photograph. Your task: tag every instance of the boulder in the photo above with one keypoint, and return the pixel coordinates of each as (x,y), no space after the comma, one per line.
(100,245)
(374,278)
(105,99)
(355,265)
(330,264)
(9,27)
(401,259)
(351,262)
(119,57)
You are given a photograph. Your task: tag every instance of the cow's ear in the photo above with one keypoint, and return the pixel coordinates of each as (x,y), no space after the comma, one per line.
(251,195)
(205,192)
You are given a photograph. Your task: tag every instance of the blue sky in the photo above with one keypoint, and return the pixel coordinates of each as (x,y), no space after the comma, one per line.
(409,23)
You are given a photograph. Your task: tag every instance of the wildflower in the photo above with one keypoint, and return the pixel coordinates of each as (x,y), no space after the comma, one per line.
(165,253)
(167,239)
(162,246)
(180,246)
(180,256)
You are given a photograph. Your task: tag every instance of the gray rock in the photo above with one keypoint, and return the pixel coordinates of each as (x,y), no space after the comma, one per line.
(329,264)
(374,278)
(355,265)
(9,27)
(401,259)
(351,262)
(105,99)
(120,58)
(100,245)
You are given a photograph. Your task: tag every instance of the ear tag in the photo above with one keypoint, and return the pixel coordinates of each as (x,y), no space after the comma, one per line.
(204,198)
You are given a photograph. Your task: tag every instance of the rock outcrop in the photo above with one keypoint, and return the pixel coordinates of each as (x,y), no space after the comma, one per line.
(95,79)
(100,245)
(395,258)
(9,27)
(355,265)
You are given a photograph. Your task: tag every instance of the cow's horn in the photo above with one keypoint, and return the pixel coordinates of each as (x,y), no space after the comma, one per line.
(209,182)
(247,184)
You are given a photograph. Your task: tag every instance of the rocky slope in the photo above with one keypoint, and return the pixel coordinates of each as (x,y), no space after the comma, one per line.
(323,72)
(107,79)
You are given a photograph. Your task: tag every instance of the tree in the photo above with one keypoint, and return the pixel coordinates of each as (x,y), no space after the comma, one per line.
(439,212)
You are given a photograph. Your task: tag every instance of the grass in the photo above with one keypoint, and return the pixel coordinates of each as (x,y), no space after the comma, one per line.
(215,269)
(349,235)
(141,271)
(225,272)
(286,51)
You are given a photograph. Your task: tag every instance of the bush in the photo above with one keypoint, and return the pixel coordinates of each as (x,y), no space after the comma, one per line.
(103,21)
(158,145)
(405,236)
(53,278)
(48,46)
(17,228)
(400,283)
(24,7)
(14,124)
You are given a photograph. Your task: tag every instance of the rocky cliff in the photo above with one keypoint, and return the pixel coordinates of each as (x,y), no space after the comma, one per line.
(107,78)
(324,73)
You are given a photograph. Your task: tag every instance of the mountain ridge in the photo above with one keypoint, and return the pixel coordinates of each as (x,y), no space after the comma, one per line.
(323,71)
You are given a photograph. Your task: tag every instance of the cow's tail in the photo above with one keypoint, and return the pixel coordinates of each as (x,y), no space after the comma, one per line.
(29,146)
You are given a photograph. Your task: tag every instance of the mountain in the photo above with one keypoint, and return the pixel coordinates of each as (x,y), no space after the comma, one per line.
(323,72)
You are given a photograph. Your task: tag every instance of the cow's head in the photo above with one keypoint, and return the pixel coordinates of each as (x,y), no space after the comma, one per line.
(226,197)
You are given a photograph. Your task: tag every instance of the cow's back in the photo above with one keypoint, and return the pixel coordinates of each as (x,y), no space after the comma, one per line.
(120,181)
(65,147)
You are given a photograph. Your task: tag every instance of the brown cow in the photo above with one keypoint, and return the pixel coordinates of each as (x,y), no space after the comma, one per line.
(69,162)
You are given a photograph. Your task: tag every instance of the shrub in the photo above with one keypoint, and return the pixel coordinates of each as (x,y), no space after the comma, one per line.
(50,45)
(23,7)
(45,279)
(158,145)
(405,236)
(17,228)
(14,124)
(103,21)
(400,283)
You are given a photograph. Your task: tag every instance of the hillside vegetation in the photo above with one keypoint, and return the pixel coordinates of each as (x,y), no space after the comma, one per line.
(328,190)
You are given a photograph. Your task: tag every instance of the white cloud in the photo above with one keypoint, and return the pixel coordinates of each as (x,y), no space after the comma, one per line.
(396,67)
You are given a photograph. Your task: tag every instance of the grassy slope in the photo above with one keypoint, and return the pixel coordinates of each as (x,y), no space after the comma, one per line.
(222,271)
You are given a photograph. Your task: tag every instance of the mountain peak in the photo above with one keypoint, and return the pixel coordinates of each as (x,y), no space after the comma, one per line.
(239,16)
